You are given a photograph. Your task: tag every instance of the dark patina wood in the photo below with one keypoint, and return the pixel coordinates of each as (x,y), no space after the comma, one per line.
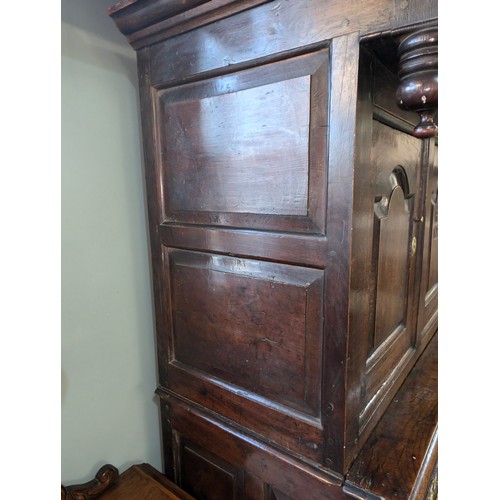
(146,23)
(213,457)
(293,223)
(390,179)
(105,478)
(138,482)
(418,56)
(400,455)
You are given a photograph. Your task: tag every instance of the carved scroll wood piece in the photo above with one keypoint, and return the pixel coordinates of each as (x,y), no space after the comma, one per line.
(106,477)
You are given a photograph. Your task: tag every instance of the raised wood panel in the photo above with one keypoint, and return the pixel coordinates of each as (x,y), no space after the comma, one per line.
(428,279)
(206,476)
(400,454)
(392,226)
(433,268)
(383,340)
(430,275)
(274,494)
(225,449)
(248,149)
(217,141)
(394,158)
(236,324)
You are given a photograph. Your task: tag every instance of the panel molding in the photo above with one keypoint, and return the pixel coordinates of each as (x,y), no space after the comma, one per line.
(280,469)
(427,314)
(207,380)
(270,424)
(380,391)
(390,340)
(307,250)
(232,310)
(207,471)
(387,209)
(304,183)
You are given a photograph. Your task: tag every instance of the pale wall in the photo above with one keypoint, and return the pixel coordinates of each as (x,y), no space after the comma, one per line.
(109,412)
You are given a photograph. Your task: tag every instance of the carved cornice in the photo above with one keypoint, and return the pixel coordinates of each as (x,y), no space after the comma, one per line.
(145,22)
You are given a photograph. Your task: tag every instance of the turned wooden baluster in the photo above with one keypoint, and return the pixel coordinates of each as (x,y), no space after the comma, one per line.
(418,72)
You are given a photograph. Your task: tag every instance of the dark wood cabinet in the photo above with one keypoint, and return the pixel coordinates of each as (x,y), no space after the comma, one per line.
(293,222)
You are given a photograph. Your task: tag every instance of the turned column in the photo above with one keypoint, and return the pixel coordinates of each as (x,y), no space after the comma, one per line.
(418,72)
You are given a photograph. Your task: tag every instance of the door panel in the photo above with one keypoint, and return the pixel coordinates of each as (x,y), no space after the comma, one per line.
(393,166)
(214,461)
(429,282)
(248,149)
(242,165)
(237,324)
(253,266)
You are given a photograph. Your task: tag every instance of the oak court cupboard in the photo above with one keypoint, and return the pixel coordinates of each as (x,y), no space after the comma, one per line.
(291,168)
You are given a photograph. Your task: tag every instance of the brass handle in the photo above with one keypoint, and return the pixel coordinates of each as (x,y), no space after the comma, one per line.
(413,246)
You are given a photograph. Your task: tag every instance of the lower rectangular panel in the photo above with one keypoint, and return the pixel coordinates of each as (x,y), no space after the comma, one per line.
(213,461)
(246,341)
(233,319)
(205,475)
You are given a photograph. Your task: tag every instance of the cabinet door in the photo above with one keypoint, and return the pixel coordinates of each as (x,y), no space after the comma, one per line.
(253,179)
(393,286)
(391,329)
(383,262)
(243,169)
(215,461)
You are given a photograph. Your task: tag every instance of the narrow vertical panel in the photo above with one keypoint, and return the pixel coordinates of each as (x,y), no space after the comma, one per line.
(432,278)
(382,325)
(361,253)
(344,54)
(429,280)
(392,266)
(395,158)
(433,267)
(153,180)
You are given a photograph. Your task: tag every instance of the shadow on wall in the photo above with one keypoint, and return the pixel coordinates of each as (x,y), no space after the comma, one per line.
(89,20)
(91,15)
(64,385)
(109,411)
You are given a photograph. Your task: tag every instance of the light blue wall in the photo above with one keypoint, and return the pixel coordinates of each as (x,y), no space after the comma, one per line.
(109,413)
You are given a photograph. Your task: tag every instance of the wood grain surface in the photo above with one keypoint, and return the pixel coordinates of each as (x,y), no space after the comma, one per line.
(398,458)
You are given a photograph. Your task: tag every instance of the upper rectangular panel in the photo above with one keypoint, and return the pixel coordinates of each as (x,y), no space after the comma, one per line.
(248,149)
(231,154)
